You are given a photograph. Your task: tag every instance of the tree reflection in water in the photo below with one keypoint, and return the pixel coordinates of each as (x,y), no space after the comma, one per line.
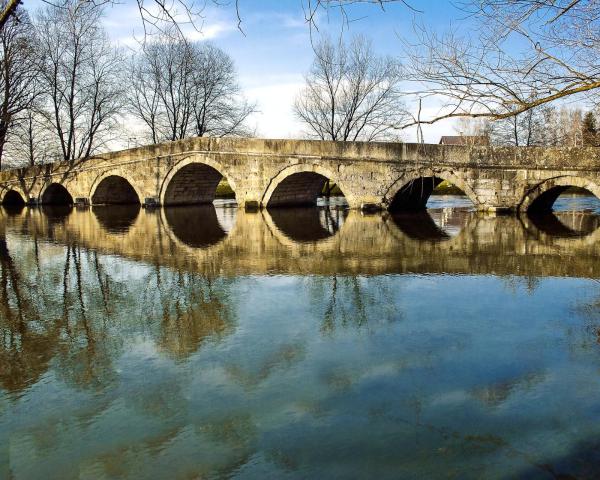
(70,312)
(344,302)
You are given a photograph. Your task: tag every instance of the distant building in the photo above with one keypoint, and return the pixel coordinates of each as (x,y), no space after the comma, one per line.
(478,140)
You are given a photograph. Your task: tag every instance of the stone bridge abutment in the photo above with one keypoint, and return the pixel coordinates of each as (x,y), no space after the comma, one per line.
(287,173)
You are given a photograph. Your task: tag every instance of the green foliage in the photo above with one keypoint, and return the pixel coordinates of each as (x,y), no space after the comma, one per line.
(224,190)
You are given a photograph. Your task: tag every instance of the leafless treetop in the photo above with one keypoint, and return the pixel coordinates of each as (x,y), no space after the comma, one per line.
(515,55)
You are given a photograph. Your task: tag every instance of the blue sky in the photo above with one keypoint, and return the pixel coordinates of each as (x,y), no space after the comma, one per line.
(274,51)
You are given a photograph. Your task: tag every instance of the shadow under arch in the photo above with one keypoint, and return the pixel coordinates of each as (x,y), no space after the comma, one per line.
(56,194)
(193,182)
(307,225)
(114,190)
(196,226)
(116,218)
(541,198)
(298,186)
(412,193)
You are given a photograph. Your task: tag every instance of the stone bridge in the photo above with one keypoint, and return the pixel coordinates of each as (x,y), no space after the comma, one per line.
(272,173)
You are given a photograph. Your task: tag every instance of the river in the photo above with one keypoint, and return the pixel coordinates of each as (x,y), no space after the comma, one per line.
(210,342)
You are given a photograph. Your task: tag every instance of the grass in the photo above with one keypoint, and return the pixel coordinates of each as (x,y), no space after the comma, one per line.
(447,188)
(224,190)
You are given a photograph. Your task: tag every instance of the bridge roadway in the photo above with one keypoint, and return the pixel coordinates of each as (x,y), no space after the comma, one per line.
(273,173)
(306,242)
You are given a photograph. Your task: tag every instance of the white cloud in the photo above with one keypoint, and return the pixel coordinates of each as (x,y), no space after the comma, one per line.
(209,32)
(275,99)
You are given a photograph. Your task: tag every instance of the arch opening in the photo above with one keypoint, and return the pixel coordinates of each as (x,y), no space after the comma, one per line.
(56,194)
(115,190)
(304,189)
(422,193)
(13,198)
(196,184)
(565,198)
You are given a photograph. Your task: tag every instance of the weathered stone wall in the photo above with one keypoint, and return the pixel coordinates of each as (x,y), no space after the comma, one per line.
(369,174)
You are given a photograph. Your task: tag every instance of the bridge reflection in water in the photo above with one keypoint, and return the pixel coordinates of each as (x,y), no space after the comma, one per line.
(206,239)
(192,341)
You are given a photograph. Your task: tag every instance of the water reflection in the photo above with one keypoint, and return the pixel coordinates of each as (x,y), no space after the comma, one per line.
(566,224)
(196,226)
(14,209)
(308,224)
(419,226)
(577,202)
(194,239)
(207,343)
(56,213)
(116,218)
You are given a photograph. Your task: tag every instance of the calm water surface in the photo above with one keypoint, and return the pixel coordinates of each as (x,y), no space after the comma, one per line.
(206,342)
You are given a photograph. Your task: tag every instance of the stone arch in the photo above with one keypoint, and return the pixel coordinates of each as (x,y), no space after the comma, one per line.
(193,181)
(541,197)
(13,197)
(411,192)
(298,185)
(113,188)
(56,194)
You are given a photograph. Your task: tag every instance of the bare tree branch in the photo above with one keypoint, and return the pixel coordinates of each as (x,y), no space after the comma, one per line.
(351,93)
(485,74)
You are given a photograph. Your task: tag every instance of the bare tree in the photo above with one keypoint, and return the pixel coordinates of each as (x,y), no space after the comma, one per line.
(143,95)
(180,89)
(527,129)
(351,93)
(481,74)
(218,107)
(31,141)
(18,70)
(80,78)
